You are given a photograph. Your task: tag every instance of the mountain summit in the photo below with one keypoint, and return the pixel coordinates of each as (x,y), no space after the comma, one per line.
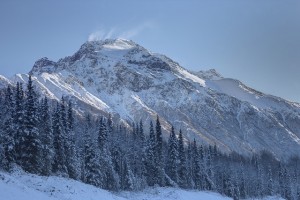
(124,79)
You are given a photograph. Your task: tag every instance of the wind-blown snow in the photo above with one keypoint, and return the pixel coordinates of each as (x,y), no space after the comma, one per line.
(118,44)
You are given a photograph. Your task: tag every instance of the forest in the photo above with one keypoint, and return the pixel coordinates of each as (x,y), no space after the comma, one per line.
(48,137)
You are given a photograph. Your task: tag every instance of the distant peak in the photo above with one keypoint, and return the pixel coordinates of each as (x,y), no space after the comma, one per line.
(95,46)
(210,74)
(43,65)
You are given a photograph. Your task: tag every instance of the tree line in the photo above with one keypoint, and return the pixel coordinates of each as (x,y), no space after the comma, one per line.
(45,137)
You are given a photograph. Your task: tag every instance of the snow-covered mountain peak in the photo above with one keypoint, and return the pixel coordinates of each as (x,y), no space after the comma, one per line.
(108,44)
(43,65)
(119,44)
(108,55)
(105,52)
(210,74)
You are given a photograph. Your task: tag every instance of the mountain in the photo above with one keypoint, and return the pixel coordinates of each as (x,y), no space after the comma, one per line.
(4,81)
(124,79)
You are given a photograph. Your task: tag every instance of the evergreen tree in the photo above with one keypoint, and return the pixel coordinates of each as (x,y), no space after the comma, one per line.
(182,167)
(190,168)
(86,138)
(92,173)
(242,185)
(64,126)
(141,133)
(136,132)
(207,172)
(70,117)
(111,180)
(284,183)
(172,159)
(127,178)
(46,135)
(159,155)
(159,142)
(7,139)
(149,160)
(270,184)
(110,125)
(102,135)
(71,160)
(59,164)
(118,161)
(196,166)
(18,118)
(31,145)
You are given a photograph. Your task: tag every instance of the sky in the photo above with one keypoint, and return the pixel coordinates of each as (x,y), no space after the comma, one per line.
(254,41)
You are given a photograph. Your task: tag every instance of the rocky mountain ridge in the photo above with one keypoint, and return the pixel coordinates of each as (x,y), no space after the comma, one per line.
(122,78)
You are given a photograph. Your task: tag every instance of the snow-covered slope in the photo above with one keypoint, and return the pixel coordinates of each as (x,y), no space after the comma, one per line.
(121,77)
(240,91)
(4,81)
(22,186)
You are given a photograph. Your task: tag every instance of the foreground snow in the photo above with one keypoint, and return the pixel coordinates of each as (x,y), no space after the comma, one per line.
(172,193)
(22,186)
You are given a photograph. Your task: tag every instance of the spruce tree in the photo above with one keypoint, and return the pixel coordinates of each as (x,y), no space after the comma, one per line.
(159,142)
(149,160)
(63,123)
(110,126)
(207,172)
(182,167)
(159,155)
(71,160)
(172,158)
(86,134)
(46,134)
(59,164)
(242,185)
(128,180)
(18,118)
(31,145)
(102,134)
(7,133)
(190,168)
(196,166)
(92,173)
(110,177)
(270,184)
(141,133)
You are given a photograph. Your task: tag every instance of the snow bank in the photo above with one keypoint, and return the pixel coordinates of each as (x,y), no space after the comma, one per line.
(22,186)
(172,193)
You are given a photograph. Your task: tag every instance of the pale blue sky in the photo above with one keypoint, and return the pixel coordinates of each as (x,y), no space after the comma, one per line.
(255,41)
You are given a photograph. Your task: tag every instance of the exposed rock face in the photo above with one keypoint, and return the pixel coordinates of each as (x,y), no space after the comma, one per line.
(123,78)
